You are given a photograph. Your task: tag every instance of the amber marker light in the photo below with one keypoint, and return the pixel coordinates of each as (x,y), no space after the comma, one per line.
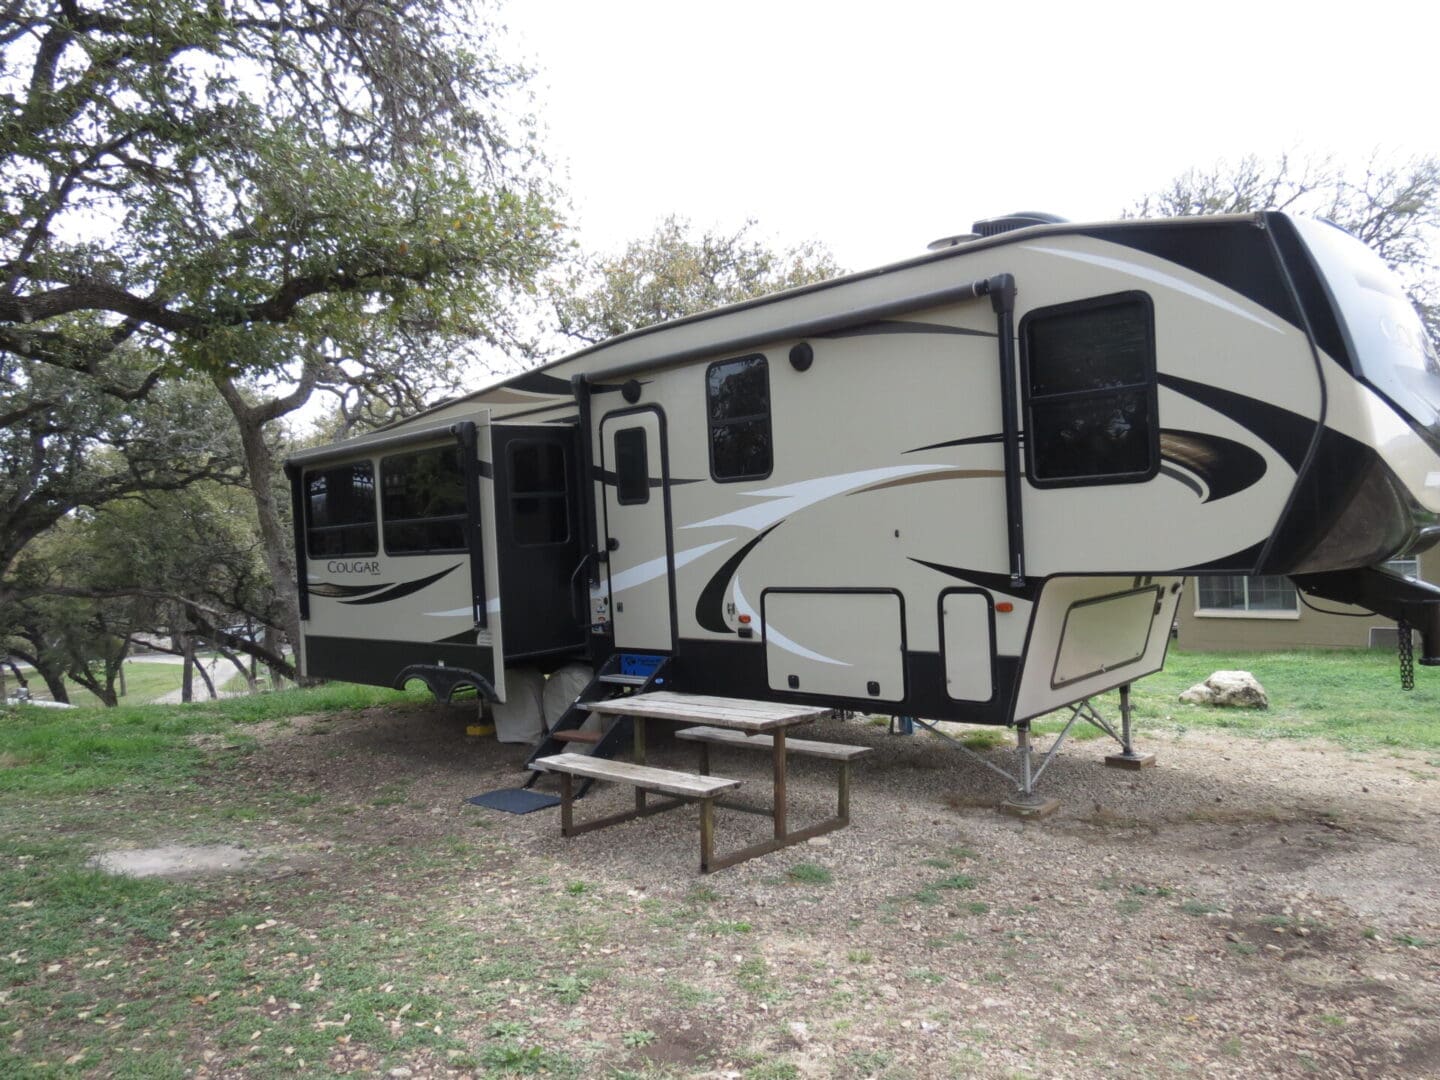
(1004,607)
(744,620)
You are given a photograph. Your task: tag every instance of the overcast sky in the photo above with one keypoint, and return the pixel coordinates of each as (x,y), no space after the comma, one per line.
(878,127)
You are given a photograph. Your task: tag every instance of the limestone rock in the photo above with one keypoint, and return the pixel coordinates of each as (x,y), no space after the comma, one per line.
(1232,689)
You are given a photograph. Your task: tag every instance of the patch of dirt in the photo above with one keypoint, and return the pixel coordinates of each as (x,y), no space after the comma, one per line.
(1242,910)
(175,861)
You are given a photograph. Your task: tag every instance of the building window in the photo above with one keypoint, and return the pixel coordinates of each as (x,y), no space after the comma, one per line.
(539,504)
(422,499)
(1269,594)
(340,510)
(737,397)
(632,467)
(1090,392)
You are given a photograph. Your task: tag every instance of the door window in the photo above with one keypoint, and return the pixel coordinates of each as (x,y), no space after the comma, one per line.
(632,467)
(539,503)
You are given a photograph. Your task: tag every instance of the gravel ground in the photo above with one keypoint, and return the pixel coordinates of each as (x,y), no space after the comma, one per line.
(1243,909)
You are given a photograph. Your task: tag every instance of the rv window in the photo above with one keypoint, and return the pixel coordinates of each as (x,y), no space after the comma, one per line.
(1090,392)
(538,502)
(737,395)
(632,467)
(340,510)
(422,498)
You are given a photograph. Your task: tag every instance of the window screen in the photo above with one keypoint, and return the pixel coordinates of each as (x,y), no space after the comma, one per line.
(539,512)
(340,510)
(422,498)
(632,467)
(737,396)
(1090,392)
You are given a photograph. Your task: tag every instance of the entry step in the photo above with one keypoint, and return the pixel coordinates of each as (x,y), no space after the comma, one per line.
(625,680)
(576,735)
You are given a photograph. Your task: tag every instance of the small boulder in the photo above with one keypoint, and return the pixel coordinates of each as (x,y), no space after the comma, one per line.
(1232,689)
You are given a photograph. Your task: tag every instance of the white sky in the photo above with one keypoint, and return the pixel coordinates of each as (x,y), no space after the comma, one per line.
(876,127)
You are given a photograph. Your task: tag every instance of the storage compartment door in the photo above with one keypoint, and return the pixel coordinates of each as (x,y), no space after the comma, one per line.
(839,644)
(967,635)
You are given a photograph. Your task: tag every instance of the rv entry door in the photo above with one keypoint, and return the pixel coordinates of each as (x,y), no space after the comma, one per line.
(635,467)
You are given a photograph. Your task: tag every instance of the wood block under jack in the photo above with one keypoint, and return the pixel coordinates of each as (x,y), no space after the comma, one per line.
(1029,808)
(1130,761)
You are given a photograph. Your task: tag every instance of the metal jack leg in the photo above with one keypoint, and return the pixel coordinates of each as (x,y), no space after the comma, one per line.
(1025,803)
(1127,758)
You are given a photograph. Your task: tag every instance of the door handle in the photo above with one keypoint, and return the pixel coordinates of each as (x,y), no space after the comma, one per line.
(577,610)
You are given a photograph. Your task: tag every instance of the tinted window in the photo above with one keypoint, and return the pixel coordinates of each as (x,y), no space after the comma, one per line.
(539,511)
(632,467)
(422,498)
(737,399)
(340,510)
(1090,391)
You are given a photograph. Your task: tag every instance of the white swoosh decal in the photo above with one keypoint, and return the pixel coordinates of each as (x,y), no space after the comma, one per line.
(1160,278)
(742,607)
(788,498)
(492,608)
(649,571)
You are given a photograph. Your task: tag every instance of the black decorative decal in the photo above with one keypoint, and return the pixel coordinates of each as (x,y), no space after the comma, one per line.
(894,326)
(1226,466)
(710,607)
(973,440)
(465,637)
(1235,254)
(333,591)
(607,476)
(1288,433)
(995,583)
(537,382)
(1241,562)
(404,589)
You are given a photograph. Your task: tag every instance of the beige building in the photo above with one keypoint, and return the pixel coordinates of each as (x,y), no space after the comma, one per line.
(1265,613)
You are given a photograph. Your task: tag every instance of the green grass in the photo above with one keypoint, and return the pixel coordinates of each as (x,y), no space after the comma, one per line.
(49,752)
(809,874)
(1351,697)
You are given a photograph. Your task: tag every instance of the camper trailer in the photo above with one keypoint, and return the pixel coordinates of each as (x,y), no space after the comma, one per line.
(966,486)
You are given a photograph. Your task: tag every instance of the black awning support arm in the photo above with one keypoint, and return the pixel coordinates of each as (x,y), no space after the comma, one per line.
(467,435)
(1001,290)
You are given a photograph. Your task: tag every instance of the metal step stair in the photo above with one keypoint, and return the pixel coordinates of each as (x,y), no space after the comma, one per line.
(622,674)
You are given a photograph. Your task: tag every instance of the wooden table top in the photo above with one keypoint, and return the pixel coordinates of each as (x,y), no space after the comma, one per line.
(737,713)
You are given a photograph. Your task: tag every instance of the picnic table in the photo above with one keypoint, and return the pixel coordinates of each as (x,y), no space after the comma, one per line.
(732,722)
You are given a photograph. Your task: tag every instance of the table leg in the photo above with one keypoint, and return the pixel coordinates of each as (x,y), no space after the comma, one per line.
(639,723)
(567,805)
(778,758)
(707,834)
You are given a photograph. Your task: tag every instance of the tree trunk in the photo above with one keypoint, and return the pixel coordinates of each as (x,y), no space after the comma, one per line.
(187,676)
(260,468)
(205,678)
(123,691)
